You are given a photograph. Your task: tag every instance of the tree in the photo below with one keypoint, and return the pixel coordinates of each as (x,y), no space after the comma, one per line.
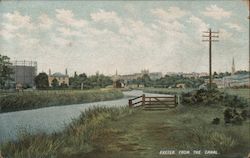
(55,83)
(41,81)
(146,81)
(5,70)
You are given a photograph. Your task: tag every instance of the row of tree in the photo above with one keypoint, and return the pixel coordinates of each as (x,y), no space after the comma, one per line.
(168,81)
(81,81)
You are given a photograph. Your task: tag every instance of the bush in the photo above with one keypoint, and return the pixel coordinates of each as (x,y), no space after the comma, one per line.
(228,115)
(233,116)
(245,114)
(216,121)
(207,97)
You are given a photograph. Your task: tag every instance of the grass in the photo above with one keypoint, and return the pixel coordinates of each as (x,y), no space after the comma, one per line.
(124,132)
(244,93)
(166,90)
(38,99)
(76,139)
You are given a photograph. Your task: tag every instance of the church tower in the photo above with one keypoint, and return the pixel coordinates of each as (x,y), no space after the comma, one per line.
(233,67)
(66,71)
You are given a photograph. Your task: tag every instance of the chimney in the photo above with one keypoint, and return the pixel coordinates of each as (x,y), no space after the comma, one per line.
(49,72)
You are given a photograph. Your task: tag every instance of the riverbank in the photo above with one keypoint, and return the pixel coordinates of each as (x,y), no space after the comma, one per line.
(123,132)
(38,99)
(77,138)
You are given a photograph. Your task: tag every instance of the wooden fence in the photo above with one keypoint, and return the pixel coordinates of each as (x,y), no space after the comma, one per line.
(154,102)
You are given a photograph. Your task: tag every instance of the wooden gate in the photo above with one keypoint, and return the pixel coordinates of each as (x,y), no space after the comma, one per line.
(160,102)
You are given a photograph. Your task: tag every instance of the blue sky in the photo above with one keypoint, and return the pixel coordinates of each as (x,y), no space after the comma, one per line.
(90,36)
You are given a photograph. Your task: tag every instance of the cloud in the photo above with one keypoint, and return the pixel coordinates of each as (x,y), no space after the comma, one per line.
(234,26)
(106,17)
(17,20)
(106,41)
(225,35)
(171,14)
(67,17)
(68,32)
(44,21)
(216,12)
(198,23)
(13,22)
(6,34)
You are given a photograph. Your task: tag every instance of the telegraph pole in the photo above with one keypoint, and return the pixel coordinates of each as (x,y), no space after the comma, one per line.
(210,35)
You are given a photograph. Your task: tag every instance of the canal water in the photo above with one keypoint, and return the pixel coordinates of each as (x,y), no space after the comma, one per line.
(52,119)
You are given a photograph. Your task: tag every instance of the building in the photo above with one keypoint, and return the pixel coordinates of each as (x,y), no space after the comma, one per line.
(63,79)
(188,75)
(24,73)
(233,67)
(135,76)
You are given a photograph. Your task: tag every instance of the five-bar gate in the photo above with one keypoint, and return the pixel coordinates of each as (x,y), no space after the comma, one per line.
(153,102)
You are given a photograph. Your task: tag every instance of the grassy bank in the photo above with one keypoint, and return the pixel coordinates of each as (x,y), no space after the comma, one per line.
(166,90)
(244,93)
(122,132)
(76,139)
(31,100)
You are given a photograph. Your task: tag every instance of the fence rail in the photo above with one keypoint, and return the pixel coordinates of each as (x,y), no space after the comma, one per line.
(151,102)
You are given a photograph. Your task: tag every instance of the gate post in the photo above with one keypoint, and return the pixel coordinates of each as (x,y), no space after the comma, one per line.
(130,103)
(143,99)
(175,102)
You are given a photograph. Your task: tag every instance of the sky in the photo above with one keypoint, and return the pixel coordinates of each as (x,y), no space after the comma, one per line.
(127,36)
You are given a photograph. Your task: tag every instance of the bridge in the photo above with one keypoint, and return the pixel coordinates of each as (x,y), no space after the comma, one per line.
(154,102)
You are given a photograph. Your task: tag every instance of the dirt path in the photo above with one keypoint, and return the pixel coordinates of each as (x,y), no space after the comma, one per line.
(142,135)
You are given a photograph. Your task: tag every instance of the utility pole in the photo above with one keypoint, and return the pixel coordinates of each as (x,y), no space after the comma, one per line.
(210,35)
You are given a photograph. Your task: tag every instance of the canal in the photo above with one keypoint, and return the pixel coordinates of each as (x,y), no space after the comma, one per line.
(52,119)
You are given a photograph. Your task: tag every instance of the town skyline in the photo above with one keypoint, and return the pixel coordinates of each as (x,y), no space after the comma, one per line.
(127,36)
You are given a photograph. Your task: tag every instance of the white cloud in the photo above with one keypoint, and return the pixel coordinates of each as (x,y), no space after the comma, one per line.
(68,32)
(108,41)
(6,34)
(224,34)
(234,26)
(198,23)
(13,22)
(18,20)
(216,12)
(172,13)
(106,17)
(60,42)
(67,17)
(44,21)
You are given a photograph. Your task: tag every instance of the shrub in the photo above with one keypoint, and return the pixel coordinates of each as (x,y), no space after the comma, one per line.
(245,114)
(228,115)
(216,121)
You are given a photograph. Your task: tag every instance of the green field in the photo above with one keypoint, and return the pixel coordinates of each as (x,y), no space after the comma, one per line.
(166,90)
(245,93)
